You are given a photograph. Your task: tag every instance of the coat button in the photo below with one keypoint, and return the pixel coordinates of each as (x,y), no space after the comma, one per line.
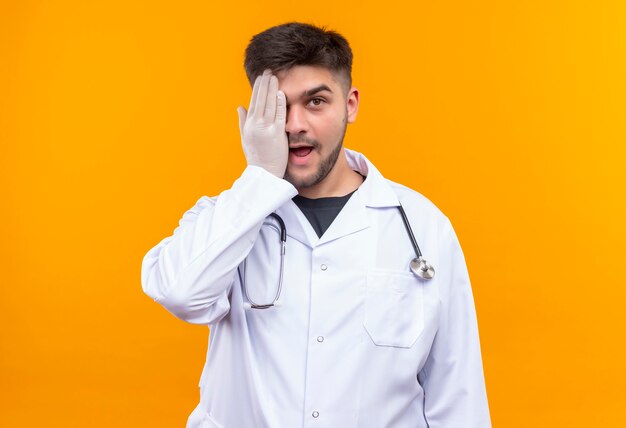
(320,339)
(323,267)
(315,414)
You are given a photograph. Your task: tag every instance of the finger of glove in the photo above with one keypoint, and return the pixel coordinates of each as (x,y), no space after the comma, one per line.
(261,97)
(281,108)
(270,104)
(255,90)
(241,112)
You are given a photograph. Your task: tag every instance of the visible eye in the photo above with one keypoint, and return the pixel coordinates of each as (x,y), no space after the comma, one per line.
(316,102)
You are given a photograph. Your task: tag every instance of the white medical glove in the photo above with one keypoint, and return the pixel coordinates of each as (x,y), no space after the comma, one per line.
(262,128)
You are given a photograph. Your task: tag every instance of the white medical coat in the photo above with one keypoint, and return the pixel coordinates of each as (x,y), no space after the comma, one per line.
(358,340)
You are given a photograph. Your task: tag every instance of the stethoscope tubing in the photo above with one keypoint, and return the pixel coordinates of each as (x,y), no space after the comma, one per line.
(418,265)
(242,278)
(409,231)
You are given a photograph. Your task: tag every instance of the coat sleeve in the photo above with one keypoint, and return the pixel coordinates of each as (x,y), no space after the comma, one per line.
(191,272)
(452,378)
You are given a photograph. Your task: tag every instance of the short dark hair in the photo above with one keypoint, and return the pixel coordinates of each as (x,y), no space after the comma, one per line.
(287,45)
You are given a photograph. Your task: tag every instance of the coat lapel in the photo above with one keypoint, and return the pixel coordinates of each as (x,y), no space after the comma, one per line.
(298,227)
(351,219)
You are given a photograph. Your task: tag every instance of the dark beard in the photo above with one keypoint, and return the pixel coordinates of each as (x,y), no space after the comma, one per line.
(324,169)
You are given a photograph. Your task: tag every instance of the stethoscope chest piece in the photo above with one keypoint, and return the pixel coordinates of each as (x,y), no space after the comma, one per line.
(422,268)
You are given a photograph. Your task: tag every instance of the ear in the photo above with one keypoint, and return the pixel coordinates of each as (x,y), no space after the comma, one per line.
(352,104)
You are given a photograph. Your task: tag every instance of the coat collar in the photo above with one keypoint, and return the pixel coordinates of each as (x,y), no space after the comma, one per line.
(375,192)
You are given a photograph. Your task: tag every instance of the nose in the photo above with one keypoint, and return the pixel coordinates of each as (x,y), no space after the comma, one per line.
(296,120)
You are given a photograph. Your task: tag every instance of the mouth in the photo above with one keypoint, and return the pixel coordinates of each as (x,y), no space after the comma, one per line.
(301,151)
(300,155)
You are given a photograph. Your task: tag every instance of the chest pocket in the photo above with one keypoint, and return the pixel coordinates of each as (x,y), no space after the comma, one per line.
(394,308)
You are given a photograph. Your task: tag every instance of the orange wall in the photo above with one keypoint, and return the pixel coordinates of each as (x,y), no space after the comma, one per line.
(116,116)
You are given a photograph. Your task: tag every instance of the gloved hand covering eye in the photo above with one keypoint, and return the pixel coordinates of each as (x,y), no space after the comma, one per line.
(262,128)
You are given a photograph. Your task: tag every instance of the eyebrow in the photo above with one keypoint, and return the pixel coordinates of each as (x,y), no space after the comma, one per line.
(313,91)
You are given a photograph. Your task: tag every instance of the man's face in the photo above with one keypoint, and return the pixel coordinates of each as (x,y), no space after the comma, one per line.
(318,111)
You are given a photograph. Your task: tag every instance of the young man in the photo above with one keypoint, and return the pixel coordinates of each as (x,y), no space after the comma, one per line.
(355,338)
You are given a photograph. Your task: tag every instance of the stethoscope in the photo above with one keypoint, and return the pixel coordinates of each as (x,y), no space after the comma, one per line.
(420,267)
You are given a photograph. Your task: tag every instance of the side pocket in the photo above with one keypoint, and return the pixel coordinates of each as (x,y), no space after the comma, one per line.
(394,308)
